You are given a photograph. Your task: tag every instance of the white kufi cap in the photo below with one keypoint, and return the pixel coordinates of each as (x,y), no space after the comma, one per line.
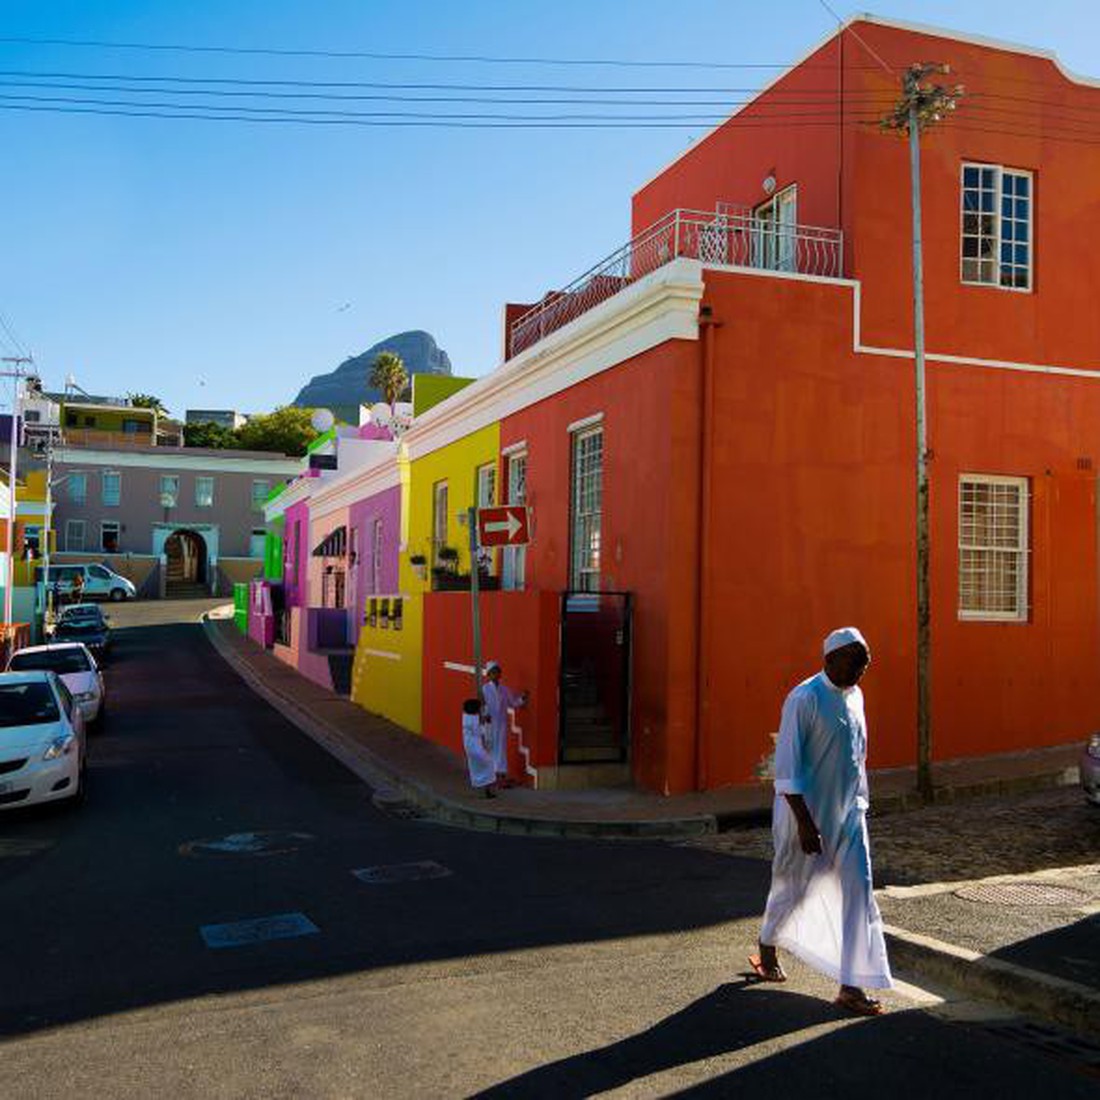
(846,635)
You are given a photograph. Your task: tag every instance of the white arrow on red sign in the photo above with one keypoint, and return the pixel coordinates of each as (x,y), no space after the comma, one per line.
(508,525)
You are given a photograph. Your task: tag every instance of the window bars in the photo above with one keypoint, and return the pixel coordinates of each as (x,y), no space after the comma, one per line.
(993,547)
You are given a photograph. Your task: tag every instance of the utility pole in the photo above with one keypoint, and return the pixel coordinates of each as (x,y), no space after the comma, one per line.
(15,372)
(920,108)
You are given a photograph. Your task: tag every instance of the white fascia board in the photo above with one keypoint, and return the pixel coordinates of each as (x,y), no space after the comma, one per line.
(662,306)
(360,484)
(297,491)
(177,460)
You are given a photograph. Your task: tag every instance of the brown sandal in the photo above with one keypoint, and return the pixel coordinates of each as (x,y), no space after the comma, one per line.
(766,973)
(859,1004)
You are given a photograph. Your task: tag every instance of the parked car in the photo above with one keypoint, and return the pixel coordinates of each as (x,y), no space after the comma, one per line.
(85,623)
(1090,769)
(42,742)
(98,581)
(78,671)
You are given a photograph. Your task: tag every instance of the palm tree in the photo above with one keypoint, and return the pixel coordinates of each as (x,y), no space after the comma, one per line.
(147,401)
(389,375)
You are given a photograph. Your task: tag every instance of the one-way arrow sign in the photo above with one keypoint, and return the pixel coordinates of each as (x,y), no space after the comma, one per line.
(505,526)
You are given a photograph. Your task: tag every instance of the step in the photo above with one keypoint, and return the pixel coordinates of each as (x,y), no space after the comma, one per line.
(579,777)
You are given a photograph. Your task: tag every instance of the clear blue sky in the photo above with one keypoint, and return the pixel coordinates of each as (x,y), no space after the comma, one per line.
(221,264)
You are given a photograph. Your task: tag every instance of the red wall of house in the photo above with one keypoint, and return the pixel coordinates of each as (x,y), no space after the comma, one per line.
(791,134)
(520,630)
(649,530)
(814,528)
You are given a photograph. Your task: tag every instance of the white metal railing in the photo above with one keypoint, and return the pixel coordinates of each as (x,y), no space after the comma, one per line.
(727,237)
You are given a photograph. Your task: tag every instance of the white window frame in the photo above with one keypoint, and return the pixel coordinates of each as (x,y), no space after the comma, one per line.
(200,501)
(103,488)
(440,503)
(775,231)
(77,477)
(169,486)
(257,539)
(487,485)
(513,571)
(376,557)
(104,527)
(999,172)
(72,526)
(585,521)
(259,498)
(1021,550)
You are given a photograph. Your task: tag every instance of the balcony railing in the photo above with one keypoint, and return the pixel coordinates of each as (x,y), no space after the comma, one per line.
(726,237)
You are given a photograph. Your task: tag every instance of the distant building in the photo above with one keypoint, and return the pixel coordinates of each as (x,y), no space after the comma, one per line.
(90,420)
(224,418)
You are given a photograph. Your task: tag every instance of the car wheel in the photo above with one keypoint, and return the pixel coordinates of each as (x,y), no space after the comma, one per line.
(117,595)
(78,796)
(100,723)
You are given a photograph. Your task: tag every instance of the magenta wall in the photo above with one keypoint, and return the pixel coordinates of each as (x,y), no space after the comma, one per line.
(296,538)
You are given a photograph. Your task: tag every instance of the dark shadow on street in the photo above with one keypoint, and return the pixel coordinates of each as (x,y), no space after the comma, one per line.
(101,912)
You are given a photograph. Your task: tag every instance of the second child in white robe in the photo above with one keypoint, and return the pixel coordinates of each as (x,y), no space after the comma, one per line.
(822,907)
(479,759)
(498,700)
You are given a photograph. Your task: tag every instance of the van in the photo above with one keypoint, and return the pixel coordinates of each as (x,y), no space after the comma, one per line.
(99,581)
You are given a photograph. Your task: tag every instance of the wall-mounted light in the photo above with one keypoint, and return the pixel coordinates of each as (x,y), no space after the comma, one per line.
(768,185)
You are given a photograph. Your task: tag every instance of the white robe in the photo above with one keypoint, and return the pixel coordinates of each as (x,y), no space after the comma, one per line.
(822,907)
(479,760)
(498,698)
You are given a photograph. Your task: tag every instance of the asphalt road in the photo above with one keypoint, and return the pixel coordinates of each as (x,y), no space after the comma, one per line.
(504,966)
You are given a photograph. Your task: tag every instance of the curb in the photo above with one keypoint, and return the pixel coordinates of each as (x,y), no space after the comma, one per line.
(1063,1002)
(385,781)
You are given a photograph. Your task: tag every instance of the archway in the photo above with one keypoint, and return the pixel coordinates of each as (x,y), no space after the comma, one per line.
(185,552)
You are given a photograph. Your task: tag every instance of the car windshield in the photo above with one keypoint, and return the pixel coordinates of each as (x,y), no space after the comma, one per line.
(30,704)
(60,661)
(81,612)
(80,626)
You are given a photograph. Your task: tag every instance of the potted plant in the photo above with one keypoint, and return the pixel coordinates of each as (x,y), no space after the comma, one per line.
(448,558)
(419,564)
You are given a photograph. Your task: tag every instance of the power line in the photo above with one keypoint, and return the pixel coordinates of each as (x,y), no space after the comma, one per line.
(374,55)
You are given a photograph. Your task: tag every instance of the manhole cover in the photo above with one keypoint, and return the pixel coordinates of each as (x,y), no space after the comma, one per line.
(401,872)
(247,844)
(1023,893)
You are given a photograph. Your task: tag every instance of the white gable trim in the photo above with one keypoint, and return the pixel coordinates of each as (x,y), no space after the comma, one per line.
(177,460)
(662,306)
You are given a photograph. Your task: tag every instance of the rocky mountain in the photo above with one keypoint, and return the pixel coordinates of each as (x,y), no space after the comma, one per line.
(345,389)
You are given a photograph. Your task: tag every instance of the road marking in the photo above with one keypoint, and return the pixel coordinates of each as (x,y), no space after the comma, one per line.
(272,843)
(282,926)
(401,872)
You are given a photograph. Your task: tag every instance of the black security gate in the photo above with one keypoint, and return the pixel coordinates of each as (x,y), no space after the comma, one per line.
(595,678)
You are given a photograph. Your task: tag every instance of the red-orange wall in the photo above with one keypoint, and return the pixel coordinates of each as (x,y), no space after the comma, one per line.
(520,630)
(814,528)
(649,530)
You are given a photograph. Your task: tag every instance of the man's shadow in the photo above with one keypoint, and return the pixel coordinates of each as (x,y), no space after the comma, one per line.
(724,1021)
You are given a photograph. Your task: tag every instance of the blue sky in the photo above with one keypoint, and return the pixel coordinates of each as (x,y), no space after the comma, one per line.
(221,264)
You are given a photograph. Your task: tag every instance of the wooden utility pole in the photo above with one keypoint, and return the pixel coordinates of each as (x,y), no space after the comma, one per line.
(16,373)
(920,108)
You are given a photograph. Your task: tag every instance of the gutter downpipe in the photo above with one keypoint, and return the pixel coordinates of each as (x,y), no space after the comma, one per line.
(702,634)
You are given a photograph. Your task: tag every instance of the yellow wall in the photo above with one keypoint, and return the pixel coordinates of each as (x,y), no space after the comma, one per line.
(31,491)
(456,464)
(386,675)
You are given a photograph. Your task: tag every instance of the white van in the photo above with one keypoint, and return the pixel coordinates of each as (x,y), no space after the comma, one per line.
(99,581)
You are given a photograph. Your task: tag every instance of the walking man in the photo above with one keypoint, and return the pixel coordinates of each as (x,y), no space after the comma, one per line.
(821,905)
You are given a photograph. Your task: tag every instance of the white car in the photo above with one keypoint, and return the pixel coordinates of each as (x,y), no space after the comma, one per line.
(42,743)
(73,662)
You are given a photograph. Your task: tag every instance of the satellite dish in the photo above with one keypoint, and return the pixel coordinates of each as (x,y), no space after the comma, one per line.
(322,420)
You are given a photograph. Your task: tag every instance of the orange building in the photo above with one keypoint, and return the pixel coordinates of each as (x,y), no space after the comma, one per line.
(719,424)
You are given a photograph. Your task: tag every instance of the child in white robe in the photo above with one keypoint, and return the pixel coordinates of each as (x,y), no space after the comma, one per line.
(475,742)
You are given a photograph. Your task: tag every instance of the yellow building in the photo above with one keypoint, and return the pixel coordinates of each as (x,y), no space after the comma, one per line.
(437,487)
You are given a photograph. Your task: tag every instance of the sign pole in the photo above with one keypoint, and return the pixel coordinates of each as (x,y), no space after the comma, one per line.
(475,589)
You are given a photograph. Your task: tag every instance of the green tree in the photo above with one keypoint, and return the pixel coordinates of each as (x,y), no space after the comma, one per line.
(287,430)
(148,401)
(389,375)
(209,434)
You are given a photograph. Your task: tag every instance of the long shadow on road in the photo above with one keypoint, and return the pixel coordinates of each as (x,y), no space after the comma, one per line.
(102,908)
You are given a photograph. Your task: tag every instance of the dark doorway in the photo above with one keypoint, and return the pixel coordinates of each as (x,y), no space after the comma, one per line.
(186,554)
(595,677)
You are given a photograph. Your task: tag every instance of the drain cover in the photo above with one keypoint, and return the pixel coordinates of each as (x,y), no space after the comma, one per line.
(1023,893)
(247,844)
(401,872)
